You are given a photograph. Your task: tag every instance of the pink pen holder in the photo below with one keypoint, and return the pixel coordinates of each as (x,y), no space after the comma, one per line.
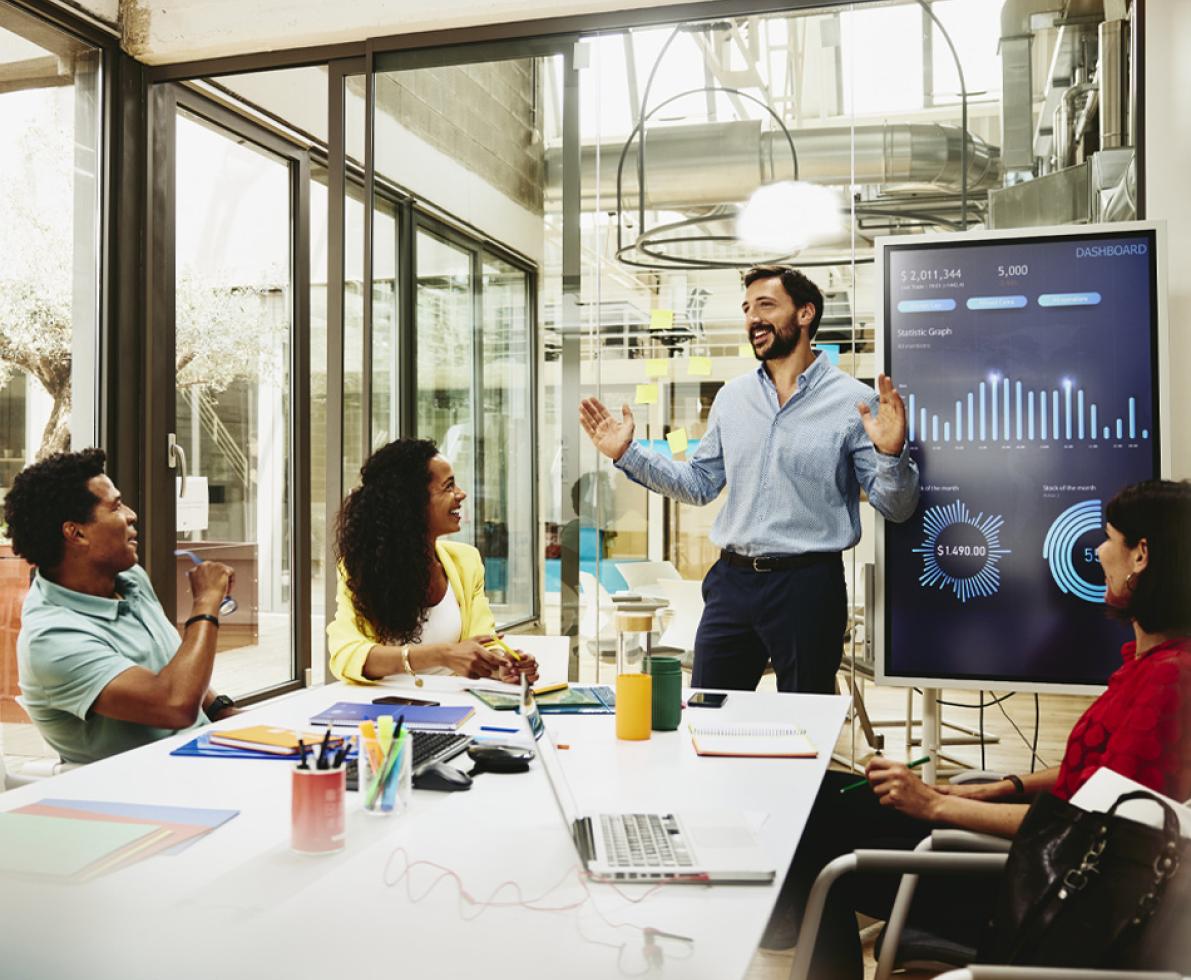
(317,810)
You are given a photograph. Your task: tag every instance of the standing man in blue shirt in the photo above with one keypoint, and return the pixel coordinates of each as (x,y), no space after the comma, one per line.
(102,668)
(795,442)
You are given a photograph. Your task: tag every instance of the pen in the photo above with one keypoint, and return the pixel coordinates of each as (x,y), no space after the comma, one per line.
(322,752)
(493,728)
(302,750)
(864,782)
(342,753)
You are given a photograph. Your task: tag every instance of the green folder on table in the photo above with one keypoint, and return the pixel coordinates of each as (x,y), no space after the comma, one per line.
(60,847)
(577,699)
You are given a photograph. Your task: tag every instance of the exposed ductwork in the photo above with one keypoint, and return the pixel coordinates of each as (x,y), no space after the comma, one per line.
(1017,84)
(713,163)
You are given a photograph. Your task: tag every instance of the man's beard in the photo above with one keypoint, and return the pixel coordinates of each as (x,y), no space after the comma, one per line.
(780,345)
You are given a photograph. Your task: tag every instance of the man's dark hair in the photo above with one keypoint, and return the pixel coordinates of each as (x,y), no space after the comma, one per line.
(44,496)
(1160,512)
(797,286)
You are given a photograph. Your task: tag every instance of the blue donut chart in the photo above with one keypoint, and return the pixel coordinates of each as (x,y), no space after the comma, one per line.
(1059,548)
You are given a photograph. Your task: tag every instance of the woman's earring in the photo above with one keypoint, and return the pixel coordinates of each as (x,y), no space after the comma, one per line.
(1131,581)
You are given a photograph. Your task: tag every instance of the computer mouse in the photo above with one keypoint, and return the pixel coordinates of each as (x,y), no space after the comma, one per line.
(443,778)
(499,758)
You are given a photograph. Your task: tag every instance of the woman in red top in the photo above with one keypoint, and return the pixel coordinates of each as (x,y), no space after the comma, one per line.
(1140,727)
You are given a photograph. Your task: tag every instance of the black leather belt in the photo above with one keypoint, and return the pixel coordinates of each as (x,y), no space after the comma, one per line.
(774,563)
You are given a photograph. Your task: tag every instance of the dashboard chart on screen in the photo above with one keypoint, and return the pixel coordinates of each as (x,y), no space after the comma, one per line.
(1029,367)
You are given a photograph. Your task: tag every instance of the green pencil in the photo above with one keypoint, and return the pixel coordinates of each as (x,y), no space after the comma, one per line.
(864,782)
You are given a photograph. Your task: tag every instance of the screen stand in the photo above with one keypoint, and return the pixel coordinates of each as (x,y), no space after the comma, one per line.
(932,735)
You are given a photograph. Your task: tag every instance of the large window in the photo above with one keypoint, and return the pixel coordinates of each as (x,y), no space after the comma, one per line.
(474,379)
(50,177)
(233,327)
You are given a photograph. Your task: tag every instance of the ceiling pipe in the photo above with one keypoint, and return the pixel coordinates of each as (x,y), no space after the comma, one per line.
(716,163)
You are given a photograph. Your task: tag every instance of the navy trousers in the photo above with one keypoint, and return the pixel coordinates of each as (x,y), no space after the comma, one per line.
(794,617)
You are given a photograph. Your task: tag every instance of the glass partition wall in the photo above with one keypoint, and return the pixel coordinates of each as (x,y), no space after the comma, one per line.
(51,177)
(671,158)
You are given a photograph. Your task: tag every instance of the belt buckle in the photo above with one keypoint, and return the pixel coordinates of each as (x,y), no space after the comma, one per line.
(758,568)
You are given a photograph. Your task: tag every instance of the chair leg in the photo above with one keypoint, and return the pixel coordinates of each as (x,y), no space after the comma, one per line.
(897,918)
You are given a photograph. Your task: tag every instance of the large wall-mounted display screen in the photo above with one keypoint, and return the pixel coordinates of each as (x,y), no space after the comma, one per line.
(1028,366)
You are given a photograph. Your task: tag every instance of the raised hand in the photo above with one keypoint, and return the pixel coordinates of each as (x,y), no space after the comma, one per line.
(887,429)
(610,435)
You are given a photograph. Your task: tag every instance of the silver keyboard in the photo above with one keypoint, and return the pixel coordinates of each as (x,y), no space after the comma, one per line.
(644,840)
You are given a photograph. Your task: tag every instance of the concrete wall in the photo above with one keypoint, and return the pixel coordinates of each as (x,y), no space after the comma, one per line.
(105,11)
(432,173)
(1168,195)
(485,116)
(183,30)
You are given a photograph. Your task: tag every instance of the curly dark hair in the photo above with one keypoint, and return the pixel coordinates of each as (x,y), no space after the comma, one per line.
(45,495)
(381,540)
(1160,512)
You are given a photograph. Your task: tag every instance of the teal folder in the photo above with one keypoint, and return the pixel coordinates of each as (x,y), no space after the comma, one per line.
(59,846)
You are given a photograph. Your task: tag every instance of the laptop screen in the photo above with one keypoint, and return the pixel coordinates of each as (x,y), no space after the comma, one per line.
(549,756)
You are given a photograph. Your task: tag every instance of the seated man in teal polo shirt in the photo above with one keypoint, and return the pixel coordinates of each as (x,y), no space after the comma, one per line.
(102,668)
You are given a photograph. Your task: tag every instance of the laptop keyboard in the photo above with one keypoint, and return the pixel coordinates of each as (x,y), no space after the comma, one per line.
(644,840)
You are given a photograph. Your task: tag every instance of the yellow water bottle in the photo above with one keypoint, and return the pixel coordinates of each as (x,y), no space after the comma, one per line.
(634,685)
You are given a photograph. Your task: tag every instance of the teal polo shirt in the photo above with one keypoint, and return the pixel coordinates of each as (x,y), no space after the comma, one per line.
(72,645)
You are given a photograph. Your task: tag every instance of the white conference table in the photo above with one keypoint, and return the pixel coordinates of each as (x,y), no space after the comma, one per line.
(240,903)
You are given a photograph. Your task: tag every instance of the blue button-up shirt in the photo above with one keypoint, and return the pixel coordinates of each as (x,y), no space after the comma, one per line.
(793,471)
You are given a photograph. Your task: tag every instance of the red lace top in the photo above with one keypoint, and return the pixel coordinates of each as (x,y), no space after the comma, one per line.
(1140,727)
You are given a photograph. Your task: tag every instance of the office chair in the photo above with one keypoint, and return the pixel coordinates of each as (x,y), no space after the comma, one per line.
(924,859)
(643,575)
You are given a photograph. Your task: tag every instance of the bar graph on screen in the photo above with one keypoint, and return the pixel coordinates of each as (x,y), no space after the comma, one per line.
(1008,410)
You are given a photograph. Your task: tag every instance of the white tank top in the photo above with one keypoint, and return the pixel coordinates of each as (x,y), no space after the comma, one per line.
(444,624)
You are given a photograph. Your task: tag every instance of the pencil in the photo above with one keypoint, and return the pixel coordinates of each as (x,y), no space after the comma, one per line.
(864,782)
(498,642)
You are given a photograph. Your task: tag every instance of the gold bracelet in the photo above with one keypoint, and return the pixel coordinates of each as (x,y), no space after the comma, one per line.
(408,669)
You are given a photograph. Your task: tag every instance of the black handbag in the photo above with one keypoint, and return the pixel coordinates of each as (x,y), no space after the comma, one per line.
(1090,889)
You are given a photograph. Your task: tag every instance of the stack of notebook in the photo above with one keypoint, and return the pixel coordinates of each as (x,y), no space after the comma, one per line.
(76,840)
(255,742)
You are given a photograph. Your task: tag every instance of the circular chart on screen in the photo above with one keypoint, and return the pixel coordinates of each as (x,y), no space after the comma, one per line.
(961,551)
(1069,553)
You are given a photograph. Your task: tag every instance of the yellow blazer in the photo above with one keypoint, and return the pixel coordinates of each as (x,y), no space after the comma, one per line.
(465,574)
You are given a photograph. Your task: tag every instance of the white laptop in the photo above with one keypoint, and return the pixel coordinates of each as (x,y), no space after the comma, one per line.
(693,847)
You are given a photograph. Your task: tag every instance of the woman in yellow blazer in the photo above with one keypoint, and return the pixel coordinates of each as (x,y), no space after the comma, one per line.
(409,601)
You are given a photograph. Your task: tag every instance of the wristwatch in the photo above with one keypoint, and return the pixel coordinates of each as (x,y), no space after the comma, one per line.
(217,707)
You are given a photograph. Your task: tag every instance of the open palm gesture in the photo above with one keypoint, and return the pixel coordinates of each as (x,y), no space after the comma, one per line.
(887,428)
(610,434)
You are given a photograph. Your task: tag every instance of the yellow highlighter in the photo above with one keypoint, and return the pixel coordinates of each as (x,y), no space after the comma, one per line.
(385,726)
(498,642)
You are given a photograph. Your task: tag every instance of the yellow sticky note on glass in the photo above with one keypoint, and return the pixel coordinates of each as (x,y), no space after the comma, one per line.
(677,440)
(746,350)
(647,395)
(657,367)
(661,319)
(698,365)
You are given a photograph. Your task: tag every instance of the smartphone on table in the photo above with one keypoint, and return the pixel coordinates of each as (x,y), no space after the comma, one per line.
(707,699)
(398,699)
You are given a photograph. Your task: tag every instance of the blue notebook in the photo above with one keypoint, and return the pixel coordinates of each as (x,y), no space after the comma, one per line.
(203,748)
(420,717)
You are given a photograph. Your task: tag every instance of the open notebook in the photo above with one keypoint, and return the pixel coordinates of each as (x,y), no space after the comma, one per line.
(761,740)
